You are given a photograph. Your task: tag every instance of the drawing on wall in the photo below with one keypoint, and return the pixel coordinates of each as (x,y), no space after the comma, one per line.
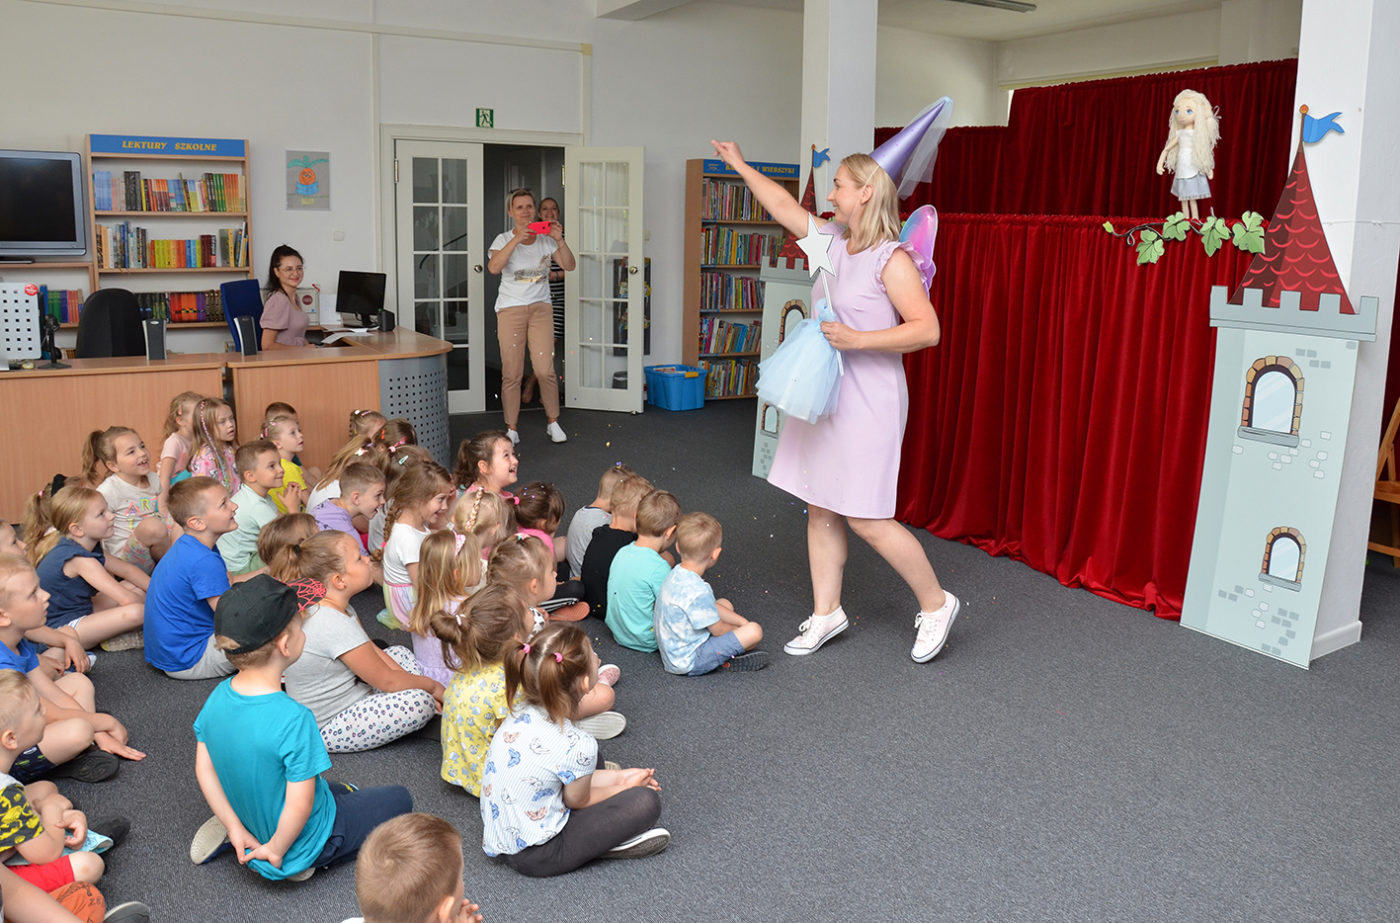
(309,180)
(1285,370)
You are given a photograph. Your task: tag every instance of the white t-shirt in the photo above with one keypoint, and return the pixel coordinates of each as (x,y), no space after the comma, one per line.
(130,505)
(320,495)
(525,278)
(319,679)
(400,551)
(581,533)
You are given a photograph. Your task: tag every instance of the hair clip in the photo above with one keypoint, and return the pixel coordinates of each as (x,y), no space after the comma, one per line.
(460,540)
(525,648)
(558,657)
(396,445)
(361,450)
(401,459)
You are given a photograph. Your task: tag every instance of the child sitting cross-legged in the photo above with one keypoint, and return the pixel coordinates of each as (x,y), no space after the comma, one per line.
(260,467)
(79,742)
(410,871)
(546,808)
(609,539)
(187,583)
(695,632)
(362,697)
(638,571)
(35,820)
(260,756)
(361,495)
(597,513)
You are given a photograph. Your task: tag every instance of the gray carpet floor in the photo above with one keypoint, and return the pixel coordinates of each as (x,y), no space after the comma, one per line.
(1064,759)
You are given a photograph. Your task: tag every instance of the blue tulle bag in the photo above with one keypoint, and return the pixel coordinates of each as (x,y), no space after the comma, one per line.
(803,376)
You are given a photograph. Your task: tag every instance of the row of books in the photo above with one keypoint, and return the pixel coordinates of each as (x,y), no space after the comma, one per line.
(62,304)
(129,191)
(718,335)
(732,201)
(726,246)
(181,307)
(723,291)
(125,246)
(730,377)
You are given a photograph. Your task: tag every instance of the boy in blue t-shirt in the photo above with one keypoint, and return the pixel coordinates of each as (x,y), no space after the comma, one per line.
(187,583)
(638,571)
(251,734)
(695,632)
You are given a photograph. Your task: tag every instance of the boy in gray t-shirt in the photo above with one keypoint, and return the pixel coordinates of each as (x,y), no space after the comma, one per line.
(598,513)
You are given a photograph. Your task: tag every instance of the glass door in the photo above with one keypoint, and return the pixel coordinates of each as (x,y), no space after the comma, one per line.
(603,335)
(440,257)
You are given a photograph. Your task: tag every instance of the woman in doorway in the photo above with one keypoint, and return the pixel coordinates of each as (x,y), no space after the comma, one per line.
(549,211)
(521,257)
(283,323)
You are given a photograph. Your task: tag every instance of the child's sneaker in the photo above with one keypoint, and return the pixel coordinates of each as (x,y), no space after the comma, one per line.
(933,629)
(92,765)
(816,631)
(126,641)
(609,674)
(748,662)
(303,875)
(645,844)
(210,840)
(388,620)
(604,725)
(609,764)
(129,912)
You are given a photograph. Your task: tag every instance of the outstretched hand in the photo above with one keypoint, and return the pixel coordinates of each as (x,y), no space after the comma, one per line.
(729,152)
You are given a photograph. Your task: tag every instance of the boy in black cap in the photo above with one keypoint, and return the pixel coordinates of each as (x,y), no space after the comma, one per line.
(250,731)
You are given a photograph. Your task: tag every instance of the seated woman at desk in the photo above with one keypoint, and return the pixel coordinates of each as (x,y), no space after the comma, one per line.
(283,323)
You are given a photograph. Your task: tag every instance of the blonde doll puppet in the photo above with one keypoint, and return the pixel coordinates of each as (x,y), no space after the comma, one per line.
(1190,150)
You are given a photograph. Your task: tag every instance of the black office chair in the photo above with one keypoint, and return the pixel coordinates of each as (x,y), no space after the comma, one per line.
(109,324)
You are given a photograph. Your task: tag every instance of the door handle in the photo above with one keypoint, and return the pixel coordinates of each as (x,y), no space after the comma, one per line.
(476,268)
(632,270)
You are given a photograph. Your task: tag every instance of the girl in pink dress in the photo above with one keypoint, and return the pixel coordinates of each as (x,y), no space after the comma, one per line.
(883,311)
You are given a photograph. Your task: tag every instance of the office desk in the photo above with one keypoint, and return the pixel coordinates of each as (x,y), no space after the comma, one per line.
(46,415)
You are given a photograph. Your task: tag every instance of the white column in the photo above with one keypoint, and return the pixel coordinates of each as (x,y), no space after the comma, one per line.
(1347,62)
(838,81)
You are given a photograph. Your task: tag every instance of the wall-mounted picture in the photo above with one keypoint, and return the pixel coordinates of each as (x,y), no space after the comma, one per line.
(309,180)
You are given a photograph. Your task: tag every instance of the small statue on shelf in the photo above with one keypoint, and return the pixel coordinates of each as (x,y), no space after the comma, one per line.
(1190,150)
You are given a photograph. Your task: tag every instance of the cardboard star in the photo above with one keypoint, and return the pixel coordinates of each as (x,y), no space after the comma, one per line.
(817,246)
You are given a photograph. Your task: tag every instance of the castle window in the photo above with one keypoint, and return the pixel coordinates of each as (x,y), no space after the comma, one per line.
(1273,401)
(1284,551)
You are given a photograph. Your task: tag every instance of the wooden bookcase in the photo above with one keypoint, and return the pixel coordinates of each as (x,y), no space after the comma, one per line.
(180,194)
(728,237)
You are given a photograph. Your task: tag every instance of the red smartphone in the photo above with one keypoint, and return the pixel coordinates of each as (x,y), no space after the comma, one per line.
(540,227)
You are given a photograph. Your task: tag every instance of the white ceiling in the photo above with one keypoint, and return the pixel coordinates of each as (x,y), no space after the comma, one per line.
(963,20)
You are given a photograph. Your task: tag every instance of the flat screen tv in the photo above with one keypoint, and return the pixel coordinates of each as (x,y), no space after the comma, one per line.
(43,215)
(360,294)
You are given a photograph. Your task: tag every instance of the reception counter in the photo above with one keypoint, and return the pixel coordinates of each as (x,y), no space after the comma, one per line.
(47,413)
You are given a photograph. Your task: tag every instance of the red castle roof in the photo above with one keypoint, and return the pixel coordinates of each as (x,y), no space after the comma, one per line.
(790,250)
(1296,257)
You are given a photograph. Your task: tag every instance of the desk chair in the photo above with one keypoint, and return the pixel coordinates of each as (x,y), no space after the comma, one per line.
(109,324)
(242,299)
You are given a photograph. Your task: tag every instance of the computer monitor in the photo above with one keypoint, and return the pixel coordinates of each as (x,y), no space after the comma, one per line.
(360,294)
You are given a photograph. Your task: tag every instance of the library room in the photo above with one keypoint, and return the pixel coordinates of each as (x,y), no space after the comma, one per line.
(775,459)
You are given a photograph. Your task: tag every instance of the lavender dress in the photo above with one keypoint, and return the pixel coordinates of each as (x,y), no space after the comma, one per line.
(848,462)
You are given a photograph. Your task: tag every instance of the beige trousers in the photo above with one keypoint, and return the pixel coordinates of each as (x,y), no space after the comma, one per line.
(517,328)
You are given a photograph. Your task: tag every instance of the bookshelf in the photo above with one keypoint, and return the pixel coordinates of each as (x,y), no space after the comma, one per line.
(169,221)
(728,238)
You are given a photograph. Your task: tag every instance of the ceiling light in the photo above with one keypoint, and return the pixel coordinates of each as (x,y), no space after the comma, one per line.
(1015,6)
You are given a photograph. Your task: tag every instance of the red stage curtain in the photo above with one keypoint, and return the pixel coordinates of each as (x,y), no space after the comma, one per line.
(1091,148)
(1062,420)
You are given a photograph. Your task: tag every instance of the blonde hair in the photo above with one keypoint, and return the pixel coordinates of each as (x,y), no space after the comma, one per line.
(697,536)
(627,493)
(321,556)
(483,628)
(515,562)
(358,449)
(178,403)
(879,217)
(207,413)
(67,507)
(416,486)
(490,517)
(609,480)
(406,867)
(277,424)
(366,423)
(658,511)
(448,564)
(1207,128)
(16,692)
(10,566)
(279,544)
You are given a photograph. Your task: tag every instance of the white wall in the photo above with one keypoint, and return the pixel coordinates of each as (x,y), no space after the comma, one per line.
(913,69)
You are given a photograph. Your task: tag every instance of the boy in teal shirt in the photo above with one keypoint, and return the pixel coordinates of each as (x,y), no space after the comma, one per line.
(639,570)
(260,467)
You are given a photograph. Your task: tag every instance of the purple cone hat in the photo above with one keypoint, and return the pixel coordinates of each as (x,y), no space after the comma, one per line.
(908,156)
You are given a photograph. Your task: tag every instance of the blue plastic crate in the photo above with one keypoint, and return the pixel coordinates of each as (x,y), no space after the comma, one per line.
(675,387)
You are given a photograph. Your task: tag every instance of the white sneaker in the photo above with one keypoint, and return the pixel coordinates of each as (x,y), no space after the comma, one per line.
(816,631)
(609,674)
(645,844)
(513,436)
(556,432)
(604,725)
(209,840)
(933,629)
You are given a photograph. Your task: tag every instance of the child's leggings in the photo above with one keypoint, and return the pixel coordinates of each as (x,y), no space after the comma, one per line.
(589,833)
(381,716)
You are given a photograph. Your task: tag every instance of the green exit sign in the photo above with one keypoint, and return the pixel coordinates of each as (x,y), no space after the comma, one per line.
(486,118)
